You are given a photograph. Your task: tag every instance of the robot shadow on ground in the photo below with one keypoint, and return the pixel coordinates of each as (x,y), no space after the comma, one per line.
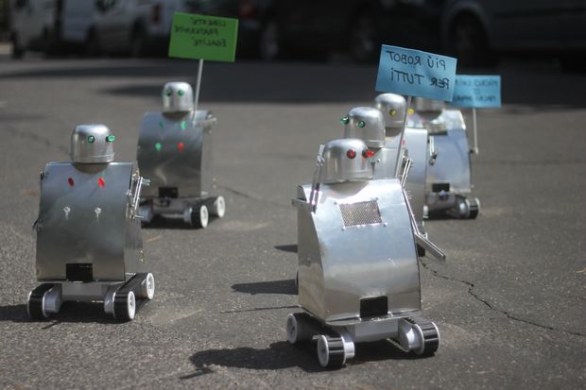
(282,355)
(74,312)
(289,248)
(14,313)
(170,223)
(285,286)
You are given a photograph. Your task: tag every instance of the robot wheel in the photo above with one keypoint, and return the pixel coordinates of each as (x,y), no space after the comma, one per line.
(419,335)
(124,305)
(299,328)
(36,298)
(218,207)
(199,216)
(330,352)
(474,208)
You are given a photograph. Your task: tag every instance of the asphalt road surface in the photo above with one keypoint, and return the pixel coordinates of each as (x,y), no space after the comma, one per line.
(509,300)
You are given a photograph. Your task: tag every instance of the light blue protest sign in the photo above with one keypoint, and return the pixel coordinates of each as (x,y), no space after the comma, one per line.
(477,91)
(416,73)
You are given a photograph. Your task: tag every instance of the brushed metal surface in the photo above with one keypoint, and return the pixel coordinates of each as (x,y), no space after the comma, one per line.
(86,216)
(339,265)
(174,150)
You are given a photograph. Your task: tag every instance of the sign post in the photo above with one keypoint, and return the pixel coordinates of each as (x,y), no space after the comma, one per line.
(204,38)
(477,92)
(415,73)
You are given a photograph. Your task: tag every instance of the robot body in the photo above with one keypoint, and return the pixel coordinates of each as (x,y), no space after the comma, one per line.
(89,243)
(174,152)
(448,180)
(358,276)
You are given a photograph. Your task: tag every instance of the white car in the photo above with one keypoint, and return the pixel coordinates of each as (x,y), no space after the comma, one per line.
(32,26)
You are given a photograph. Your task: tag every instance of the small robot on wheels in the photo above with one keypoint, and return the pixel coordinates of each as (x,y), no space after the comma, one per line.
(358,273)
(381,128)
(174,153)
(89,243)
(448,174)
(414,148)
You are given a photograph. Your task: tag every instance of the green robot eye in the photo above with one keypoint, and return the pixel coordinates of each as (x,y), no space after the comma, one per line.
(361,124)
(169,92)
(181,92)
(344,120)
(91,139)
(111,138)
(392,112)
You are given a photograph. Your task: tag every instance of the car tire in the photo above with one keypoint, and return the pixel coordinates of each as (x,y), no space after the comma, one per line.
(573,62)
(270,47)
(17,50)
(138,43)
(469,43)
(363,42)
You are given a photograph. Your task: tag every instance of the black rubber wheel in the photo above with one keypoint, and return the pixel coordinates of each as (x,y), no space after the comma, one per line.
(124,305)
(35,302)
(330,352)
(430,338)
(474,208)
(299,328)
(200,216)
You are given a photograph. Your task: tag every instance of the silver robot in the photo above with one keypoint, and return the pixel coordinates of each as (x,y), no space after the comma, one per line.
(414,148)
(448,175)
(174,152)
(358,273)
(89,243)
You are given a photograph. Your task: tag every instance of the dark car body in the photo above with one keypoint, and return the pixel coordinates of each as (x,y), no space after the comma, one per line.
(359,26)
(477,31)
(277,28)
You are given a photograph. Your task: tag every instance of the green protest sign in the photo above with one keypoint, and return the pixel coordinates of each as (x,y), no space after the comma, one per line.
(203,37)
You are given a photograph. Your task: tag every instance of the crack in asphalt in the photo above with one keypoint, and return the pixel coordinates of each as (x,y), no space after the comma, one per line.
(45,141)
(484,301)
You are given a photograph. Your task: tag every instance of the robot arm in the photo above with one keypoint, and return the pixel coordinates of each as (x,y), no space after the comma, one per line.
(420,238)
(316,178)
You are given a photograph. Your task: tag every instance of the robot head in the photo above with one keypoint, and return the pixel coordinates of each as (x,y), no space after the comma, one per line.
(429,112)
(177,97)
(365,123)
(393,108)
(92,144)
(430,106)
(345,160)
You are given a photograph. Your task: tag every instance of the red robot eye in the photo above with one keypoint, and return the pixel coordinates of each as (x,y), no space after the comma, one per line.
(367,153)
(351,153)
(101,182)
(71,181)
